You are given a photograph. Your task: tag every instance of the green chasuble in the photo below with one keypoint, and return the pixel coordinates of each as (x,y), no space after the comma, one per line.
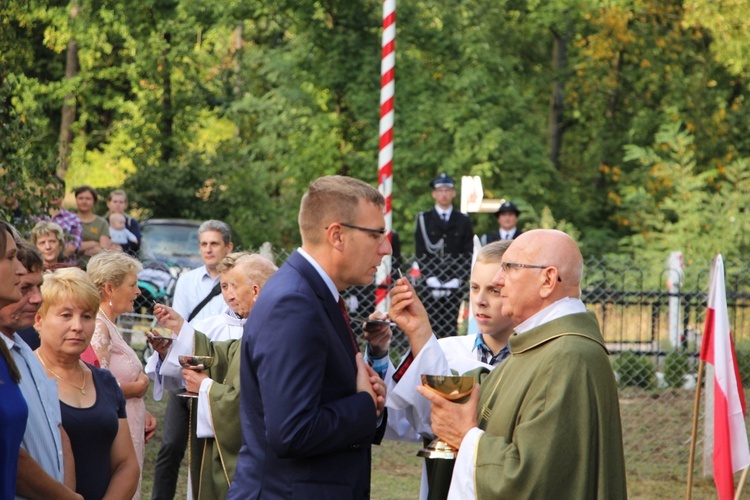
(551,418)
(213,461)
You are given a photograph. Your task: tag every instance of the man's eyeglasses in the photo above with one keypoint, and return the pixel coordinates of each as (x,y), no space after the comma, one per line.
(382,235)
(507,266)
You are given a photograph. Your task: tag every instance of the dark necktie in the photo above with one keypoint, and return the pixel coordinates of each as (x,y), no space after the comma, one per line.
(342,306)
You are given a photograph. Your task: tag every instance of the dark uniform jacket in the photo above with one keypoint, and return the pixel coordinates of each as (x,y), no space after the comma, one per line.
(457,235)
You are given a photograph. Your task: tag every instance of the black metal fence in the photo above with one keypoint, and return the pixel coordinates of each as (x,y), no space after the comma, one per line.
(644,320)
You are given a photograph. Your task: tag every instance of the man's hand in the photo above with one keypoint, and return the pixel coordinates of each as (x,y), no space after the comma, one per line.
(451,421)
(378,385)
(193,378)
(366,384)
(150,428)
(408,312)
(168,318)
(378,336)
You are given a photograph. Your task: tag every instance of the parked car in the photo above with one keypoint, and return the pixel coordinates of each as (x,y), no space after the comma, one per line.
(173,241)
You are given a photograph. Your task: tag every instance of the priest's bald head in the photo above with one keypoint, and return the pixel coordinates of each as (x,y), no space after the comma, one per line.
(539,268)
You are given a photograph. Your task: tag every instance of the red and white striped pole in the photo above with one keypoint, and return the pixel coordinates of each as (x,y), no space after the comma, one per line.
(385,156)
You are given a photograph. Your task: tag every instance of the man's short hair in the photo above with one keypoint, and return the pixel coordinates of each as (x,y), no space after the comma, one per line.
(70,284)
(29,256)
(334,198)
(117,192)
(218,226)
(493,252)
(257,267)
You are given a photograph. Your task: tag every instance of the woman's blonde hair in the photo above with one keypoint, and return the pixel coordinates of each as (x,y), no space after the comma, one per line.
(111,267)
(70,284)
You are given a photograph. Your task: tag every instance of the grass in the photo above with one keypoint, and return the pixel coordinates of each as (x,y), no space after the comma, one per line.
(656,434)
(656,428)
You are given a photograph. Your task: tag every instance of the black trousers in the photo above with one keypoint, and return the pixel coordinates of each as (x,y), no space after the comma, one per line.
(174,440)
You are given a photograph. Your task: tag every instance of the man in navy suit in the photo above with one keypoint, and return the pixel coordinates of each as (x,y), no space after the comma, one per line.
(310,408)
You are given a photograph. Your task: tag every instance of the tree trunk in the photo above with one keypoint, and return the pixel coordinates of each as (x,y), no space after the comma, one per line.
(167,117)
(69,104)
(237,59)
(557,102)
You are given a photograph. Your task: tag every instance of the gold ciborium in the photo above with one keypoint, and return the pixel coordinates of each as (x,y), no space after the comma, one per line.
(454,388)
(194,363)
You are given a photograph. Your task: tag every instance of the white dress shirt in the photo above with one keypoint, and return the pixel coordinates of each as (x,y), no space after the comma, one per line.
(192,287)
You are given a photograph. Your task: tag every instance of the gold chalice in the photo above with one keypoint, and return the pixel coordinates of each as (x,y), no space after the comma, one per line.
(454,388)
(194,363)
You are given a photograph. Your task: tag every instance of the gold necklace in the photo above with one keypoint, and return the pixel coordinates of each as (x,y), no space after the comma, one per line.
(105,315)
(83,385)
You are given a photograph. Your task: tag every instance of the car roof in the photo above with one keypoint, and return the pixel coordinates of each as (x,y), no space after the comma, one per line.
(172,222)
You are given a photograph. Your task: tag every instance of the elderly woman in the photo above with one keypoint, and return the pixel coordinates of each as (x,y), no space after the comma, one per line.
(115,276)
(91,403)
(13,410)
(49,238)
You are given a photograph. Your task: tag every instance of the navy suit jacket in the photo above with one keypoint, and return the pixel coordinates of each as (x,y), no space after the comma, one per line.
(306,432)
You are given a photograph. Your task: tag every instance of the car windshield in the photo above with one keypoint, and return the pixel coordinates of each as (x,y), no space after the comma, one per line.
(170,242)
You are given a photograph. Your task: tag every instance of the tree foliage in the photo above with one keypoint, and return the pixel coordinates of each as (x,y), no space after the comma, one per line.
(621,121)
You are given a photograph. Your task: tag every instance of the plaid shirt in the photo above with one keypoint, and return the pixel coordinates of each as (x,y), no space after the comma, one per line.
(485,355)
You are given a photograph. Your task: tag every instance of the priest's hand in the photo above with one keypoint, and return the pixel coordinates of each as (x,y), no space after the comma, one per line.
(168,317)
(193,378)
(451,421)
(408,312)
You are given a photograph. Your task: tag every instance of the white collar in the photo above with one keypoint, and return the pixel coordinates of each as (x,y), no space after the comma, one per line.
(562,307)
(329,282)
(442,211)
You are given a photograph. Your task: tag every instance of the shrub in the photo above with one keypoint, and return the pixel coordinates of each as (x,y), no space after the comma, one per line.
(635,370)
(676,366)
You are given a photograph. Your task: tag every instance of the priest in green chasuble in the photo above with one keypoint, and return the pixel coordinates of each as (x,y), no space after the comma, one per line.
(546,422)
(215,436)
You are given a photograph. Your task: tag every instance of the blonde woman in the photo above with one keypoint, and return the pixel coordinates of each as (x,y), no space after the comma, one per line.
(91,403)
(115,276)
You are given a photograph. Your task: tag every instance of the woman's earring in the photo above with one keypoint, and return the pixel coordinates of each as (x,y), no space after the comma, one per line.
(110,302)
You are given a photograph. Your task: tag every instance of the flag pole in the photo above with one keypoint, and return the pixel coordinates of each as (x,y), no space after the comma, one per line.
(694,432)
(385,153)
(742,483)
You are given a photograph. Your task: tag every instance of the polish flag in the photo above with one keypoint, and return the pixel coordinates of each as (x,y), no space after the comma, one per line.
(731,452)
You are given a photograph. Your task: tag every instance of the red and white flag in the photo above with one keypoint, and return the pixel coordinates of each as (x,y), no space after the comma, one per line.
(731,452)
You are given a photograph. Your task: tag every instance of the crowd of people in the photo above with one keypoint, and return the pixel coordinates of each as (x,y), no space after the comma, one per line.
(282,402)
